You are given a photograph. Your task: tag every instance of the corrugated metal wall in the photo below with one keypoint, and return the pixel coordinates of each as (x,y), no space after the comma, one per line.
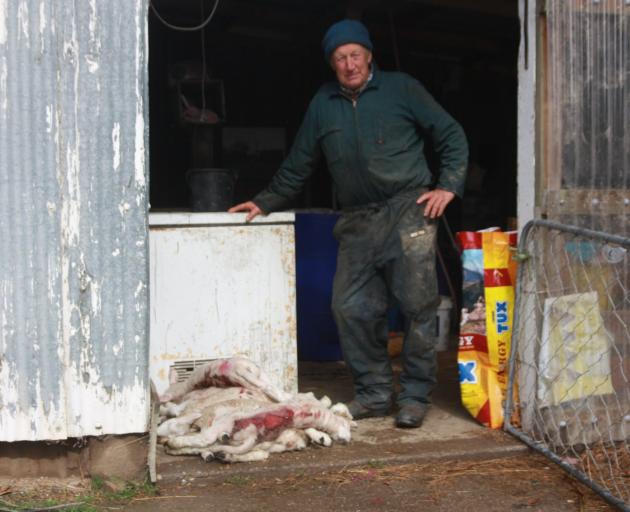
(586,112)
(73,218)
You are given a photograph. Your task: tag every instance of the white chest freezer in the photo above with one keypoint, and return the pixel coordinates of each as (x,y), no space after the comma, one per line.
(220,287)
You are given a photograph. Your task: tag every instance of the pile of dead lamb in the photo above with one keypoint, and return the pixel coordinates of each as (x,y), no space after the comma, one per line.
(229,410)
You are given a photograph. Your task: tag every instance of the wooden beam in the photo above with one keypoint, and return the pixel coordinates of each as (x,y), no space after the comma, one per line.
(587,202)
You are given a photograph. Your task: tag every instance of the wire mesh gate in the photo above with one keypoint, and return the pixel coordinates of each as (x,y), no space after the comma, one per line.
(568,390)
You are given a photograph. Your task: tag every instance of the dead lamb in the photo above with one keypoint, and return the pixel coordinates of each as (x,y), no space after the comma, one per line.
(248,421)
(264,431)
(224,373)
(199,407)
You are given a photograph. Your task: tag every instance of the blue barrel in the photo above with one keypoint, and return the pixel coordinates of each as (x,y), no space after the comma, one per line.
(316,262)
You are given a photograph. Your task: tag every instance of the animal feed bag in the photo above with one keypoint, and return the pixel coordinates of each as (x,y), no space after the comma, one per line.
(486,322)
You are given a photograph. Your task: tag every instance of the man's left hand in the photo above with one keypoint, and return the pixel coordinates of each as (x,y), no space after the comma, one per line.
(436,200)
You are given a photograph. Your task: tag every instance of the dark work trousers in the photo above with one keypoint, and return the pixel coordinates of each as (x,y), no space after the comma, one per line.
(387,250)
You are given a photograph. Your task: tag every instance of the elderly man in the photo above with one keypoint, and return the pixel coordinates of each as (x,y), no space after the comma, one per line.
(371,127)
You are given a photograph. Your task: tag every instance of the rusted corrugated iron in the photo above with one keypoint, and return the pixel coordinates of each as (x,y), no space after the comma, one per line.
(73,218)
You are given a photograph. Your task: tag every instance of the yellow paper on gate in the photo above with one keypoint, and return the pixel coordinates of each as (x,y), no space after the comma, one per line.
(570,355)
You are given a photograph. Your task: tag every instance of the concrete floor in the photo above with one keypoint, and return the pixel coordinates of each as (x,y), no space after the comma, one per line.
(447,433)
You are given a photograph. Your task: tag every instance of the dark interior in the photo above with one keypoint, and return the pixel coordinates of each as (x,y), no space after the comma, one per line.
(232,96)
(263,62)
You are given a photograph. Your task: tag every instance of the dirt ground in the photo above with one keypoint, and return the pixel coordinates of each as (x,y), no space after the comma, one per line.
(527,483)
(518,483)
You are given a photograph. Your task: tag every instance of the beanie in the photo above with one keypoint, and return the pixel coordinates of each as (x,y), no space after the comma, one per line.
(344,32)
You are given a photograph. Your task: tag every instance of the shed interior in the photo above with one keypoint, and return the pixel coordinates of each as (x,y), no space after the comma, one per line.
(233,95)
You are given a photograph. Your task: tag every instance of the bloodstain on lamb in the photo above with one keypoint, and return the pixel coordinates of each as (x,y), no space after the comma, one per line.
(267,422)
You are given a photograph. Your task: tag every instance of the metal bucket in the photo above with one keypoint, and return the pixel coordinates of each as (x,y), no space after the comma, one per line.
(210,189)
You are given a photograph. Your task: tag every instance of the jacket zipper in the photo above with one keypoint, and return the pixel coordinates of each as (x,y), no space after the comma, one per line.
(360,161)
(361,177)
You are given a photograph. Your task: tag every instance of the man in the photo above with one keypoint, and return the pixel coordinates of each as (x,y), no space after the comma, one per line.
(371,127)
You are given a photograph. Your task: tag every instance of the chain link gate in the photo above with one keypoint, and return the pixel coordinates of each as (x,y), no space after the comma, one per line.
(569,370)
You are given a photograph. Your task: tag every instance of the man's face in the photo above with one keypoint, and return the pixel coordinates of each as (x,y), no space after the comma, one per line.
(351,63)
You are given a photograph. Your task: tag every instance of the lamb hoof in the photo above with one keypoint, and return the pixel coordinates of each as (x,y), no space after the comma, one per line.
(208,457)
(221,457)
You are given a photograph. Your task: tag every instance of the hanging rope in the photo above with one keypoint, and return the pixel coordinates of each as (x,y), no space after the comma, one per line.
(185,29)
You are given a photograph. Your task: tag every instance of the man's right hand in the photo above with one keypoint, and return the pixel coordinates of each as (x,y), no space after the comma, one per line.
(248,206)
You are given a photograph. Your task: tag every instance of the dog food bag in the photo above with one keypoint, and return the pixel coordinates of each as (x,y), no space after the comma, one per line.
(486,322)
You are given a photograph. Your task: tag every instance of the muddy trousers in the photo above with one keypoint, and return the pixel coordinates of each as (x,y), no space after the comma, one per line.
(387,251)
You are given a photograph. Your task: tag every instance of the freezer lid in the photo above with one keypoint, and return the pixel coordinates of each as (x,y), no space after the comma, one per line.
(162,219)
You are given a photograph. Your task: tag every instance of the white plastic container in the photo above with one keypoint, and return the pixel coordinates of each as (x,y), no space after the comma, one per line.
(443,324)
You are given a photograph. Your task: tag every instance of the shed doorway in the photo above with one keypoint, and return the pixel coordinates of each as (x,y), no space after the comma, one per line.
(232,96)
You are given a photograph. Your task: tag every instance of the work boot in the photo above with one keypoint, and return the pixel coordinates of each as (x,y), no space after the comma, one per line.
(360,411)
(411,415)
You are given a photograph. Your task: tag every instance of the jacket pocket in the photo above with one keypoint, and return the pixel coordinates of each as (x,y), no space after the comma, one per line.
(390,137)
(418,238)
(330,140)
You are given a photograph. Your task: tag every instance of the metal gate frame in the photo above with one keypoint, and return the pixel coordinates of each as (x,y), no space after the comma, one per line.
(509,404)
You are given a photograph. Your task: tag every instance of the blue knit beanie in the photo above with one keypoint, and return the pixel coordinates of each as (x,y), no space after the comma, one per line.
(344,32)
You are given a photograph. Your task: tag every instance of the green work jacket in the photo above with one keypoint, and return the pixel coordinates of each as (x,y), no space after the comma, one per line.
(373,145)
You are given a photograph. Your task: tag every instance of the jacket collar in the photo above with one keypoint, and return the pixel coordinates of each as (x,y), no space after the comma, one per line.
(334,88)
